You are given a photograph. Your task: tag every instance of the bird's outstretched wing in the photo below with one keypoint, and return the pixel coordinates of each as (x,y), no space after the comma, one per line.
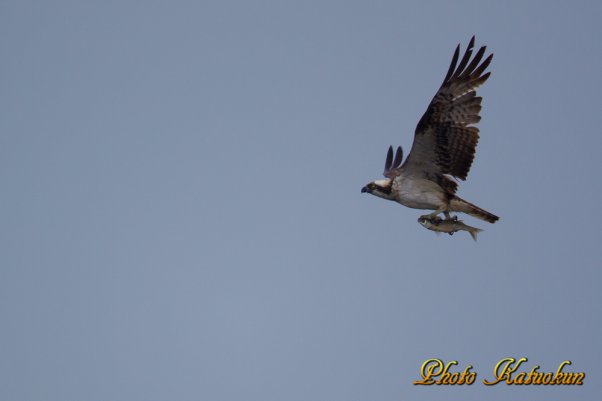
(445,140)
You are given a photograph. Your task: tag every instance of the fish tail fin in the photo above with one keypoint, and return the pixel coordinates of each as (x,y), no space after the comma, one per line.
(473,231)
(460,205)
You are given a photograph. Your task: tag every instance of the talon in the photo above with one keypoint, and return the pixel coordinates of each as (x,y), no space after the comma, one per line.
(434,216)
(428,217)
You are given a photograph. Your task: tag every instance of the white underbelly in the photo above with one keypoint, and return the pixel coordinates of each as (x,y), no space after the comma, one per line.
(419,194)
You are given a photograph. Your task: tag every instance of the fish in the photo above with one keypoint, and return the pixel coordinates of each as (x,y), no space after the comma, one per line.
(449,226)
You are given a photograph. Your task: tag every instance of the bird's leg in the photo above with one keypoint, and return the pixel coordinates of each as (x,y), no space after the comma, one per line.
(449,217)
(434,216)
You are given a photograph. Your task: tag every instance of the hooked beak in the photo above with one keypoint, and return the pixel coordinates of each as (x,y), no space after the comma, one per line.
(366,189)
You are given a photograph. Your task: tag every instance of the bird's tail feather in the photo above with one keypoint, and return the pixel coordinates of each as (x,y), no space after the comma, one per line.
(460,205)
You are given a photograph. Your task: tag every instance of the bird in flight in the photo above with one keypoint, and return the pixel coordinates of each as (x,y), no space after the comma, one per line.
(444,145)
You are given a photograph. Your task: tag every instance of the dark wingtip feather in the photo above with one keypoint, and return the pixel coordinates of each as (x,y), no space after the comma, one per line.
(483,66)
(474,63)
(465,59)
(452,65)
(398,157)
(389,159)
(481,80)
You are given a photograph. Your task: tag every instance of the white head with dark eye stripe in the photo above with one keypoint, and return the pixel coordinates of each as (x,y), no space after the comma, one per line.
(384,188)
(380,188)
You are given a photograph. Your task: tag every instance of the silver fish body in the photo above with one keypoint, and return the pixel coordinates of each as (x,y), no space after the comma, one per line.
(449,226)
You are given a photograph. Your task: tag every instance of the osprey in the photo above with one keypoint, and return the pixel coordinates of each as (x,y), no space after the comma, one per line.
(444,145)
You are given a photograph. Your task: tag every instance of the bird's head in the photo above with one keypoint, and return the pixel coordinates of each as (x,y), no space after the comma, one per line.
(380,188)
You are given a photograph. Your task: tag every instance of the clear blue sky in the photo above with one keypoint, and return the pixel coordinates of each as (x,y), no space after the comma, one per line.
(180,207)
